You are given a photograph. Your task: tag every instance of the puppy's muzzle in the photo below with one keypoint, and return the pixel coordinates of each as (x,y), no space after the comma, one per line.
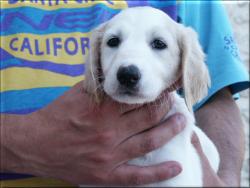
(129,77)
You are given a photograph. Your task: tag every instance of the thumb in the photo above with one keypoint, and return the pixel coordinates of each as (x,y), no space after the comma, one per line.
(210,178)
(197,145)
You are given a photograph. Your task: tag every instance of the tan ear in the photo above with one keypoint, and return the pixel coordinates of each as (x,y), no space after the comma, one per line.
(93,74)
(195,75)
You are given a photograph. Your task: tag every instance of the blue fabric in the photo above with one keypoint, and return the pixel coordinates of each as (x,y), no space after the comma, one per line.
(210,21)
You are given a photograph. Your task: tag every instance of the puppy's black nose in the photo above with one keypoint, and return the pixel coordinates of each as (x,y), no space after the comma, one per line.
(128,76)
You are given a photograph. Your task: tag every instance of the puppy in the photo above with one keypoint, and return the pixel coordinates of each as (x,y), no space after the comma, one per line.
(137,55)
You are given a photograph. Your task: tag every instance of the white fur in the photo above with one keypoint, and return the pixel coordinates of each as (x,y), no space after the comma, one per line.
(137,27)
(180,149)
(135,49)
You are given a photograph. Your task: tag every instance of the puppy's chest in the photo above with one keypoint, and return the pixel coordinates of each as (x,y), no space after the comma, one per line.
(179,147)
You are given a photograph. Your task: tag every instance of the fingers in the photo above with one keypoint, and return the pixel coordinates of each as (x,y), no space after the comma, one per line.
(127,108)
(130,175)
(210,177)
(150,140)
(145,117)
(197,145)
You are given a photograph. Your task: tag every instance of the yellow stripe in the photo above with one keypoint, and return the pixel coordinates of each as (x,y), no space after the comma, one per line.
(26,78)
(28,46)
(34,182)
(51,4)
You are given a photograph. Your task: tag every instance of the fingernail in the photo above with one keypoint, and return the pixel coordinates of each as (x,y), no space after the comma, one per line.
(180,120)
(175,170)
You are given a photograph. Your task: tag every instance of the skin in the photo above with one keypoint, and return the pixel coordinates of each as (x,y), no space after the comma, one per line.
(78,141)
(70,140)
(220,119)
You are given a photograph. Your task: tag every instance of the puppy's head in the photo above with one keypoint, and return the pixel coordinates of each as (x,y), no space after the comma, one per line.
(141,52)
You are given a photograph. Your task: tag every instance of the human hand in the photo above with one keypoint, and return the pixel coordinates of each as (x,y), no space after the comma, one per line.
(210,178)
(76,140)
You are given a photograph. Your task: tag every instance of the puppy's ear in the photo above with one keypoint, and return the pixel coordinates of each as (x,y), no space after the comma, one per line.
(93,74)
(195,74)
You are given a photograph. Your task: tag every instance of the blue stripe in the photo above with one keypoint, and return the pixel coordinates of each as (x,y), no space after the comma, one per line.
(23,111)
(13,176)
(65,69)
(162,3)
(169,7)
(37,21)
(69,70)
(19,101)
(132,3)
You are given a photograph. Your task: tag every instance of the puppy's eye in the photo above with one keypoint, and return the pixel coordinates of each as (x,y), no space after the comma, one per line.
(113,42)
(158,44)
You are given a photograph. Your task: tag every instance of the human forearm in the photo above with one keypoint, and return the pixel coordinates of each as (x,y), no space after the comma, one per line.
(14,133)
(220,119)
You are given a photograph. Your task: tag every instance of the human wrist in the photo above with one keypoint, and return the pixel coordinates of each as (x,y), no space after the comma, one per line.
(16,131)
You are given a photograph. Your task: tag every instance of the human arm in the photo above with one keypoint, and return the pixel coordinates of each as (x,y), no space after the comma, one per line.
(226,70)
(75,140)
(220,119)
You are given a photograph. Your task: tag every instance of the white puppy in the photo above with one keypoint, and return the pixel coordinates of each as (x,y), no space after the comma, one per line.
(137,55)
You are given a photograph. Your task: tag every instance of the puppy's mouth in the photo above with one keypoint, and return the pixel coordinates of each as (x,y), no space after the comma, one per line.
(129,92)
(129,96)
